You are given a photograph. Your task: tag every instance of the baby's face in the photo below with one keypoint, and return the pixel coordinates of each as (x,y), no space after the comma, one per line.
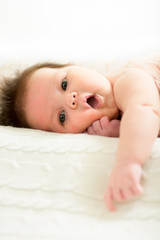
(68,100)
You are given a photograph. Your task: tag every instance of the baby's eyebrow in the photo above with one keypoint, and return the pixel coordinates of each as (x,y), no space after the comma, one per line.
(60,76)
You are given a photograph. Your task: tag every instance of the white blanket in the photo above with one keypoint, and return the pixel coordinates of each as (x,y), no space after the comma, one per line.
(52,187)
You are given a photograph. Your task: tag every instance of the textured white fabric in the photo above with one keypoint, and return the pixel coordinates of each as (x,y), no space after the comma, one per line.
(52,187)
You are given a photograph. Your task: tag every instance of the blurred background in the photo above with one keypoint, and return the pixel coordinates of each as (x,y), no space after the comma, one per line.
(78,29)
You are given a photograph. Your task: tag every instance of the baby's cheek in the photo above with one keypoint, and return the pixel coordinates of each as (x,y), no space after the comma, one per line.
(82,121)
(77,126)
(92,117)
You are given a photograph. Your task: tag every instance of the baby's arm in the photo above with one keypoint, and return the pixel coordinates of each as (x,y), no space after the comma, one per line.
(139,128)
(105,127)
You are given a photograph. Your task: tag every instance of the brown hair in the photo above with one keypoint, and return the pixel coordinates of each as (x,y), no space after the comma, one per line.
(12,96)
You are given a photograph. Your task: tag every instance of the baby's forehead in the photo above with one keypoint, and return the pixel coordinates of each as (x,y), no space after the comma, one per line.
(45,70)
(42,74)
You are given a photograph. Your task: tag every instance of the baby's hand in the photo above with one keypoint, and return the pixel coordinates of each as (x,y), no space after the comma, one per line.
(124,184)
(104,127)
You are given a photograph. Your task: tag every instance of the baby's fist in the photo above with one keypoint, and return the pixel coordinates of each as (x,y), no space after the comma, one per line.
(104,127)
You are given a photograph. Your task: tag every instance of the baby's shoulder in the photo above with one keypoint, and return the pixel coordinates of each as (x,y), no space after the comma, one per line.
(150,67)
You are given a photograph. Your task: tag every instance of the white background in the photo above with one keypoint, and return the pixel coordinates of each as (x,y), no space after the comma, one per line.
(80,29)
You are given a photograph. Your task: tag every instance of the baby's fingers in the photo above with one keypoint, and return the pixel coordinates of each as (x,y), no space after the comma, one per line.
(127,193)
(91,131)
(118,195)
(109,200)
(97,127)
(104,121)
(138,189)
(131,192)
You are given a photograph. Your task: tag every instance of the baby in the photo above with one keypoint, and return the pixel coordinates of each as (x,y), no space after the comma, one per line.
(74,99)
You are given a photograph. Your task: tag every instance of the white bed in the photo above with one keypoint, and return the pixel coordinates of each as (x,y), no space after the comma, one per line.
(52,187)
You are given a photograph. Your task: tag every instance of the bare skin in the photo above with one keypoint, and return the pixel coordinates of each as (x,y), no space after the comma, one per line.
(49,106)
(105,127)
(128,174)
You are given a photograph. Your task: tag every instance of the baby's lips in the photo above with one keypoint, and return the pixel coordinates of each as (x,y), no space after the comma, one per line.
(94,101)
(83,101)
(99,100)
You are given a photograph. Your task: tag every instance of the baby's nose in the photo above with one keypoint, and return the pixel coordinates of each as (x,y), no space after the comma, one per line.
(72,100)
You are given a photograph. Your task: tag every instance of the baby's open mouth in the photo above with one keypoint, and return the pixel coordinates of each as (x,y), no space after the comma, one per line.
(93,101)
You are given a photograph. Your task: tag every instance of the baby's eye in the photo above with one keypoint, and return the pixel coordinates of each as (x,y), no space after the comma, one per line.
(62,117)
(64,84)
